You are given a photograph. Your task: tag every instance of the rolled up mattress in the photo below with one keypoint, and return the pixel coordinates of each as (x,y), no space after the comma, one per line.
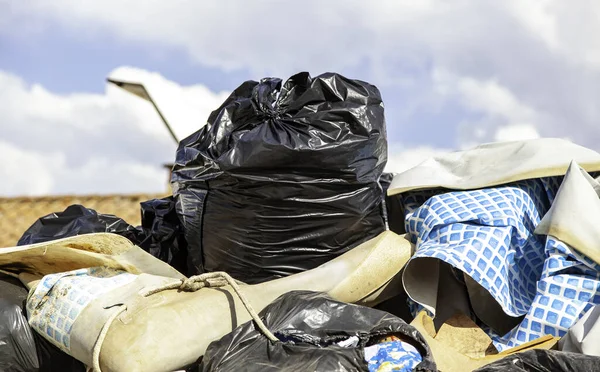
(117,319)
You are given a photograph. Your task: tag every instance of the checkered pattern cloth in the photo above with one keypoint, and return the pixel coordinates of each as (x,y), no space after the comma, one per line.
(59,298)
(488,235)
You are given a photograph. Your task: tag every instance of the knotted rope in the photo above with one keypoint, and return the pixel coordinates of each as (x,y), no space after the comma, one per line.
(191,284)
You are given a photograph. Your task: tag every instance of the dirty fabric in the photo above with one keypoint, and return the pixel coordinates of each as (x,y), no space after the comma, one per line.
(488,235)
(317,333)
(494,164)
(58,300)
(393,355)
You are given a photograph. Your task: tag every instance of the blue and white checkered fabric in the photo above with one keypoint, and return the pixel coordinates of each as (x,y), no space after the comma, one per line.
(392,356)
(568,288)
(59,298)
(488,234)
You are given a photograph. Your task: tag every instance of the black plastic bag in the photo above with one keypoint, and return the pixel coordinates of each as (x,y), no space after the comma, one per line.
(12,290)
(538,360)
(49,358)
(283,177)
(17,346)
(78,220)
(160,233)
(53,359)
(310,325)
(166,241)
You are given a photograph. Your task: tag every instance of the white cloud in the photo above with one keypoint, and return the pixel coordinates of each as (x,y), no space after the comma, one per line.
(92,143)
(401,158)
(565,27)
(185,108)
(455,73)
(514,62)
(516,133)
(25,173)
(538,17)
(493,99)
(264,34)
(41,173)
(487,97)
(500,116)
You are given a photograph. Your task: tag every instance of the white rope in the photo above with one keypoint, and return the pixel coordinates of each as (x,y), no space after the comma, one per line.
(194,283)
(216,279)
(101,337)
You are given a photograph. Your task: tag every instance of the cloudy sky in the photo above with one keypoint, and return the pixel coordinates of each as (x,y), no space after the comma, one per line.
(453,74)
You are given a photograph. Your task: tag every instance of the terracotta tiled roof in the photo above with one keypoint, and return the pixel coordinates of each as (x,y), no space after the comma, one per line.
(18,214)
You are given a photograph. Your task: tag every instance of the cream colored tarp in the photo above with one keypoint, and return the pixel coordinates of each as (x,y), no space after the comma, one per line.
(574,218)
(496,164)
(584,336)
(575,213)
(31,262)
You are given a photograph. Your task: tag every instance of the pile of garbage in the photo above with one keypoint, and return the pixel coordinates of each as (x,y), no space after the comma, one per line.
(285,247)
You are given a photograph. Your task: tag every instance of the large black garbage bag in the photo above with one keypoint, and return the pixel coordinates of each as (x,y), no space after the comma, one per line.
(538,360)
(310,326)
(283,177)
(166,241)
(78,220)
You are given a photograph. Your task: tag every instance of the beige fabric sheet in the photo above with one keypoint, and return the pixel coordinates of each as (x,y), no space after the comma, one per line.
(575,213)
(495,164)
(31,262)
(584,336)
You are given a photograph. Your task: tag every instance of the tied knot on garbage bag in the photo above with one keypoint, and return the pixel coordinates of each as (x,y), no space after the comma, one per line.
(264,97)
